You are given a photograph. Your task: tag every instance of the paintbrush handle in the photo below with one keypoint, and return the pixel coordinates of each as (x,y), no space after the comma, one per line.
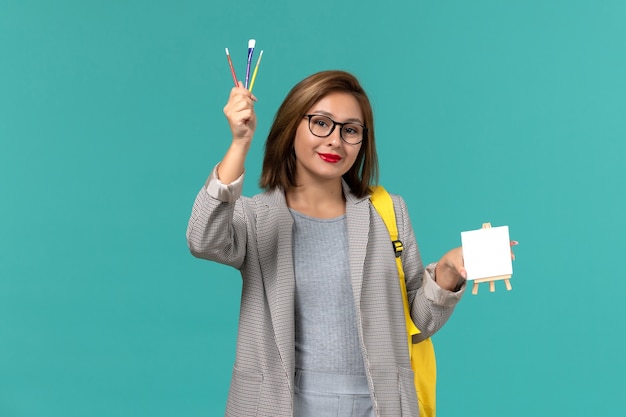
(250,52)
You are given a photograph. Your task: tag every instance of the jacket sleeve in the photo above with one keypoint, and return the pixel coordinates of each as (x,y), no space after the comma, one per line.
(431,305)
(217,227)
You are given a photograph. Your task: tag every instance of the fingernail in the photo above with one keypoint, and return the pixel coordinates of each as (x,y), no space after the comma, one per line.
(514,243)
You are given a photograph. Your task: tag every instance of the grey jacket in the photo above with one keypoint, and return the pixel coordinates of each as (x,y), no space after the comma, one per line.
(254,235)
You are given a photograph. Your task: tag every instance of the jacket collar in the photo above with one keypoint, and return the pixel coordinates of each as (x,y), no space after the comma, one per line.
(276,196)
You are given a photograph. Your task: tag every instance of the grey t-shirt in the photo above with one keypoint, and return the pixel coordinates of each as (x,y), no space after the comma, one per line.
(327,338)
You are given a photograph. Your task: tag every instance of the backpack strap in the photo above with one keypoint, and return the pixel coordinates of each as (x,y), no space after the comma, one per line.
(422,354)
(382,202)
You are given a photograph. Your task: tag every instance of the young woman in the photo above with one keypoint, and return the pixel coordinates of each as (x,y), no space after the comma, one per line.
(322,329)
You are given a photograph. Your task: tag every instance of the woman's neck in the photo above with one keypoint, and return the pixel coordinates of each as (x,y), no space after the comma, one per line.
(324,201)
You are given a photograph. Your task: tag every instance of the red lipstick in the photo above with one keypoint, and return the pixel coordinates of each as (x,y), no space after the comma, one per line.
(330,157)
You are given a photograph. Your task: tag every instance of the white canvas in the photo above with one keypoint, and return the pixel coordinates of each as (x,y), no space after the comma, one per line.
(487,252)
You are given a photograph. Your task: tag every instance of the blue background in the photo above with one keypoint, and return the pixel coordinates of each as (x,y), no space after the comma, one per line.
(509,112)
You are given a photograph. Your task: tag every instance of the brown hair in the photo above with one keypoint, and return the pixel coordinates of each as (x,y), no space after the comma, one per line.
(279,161)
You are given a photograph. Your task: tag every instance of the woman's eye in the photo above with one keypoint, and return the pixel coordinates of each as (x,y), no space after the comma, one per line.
(351,130)
(321,123)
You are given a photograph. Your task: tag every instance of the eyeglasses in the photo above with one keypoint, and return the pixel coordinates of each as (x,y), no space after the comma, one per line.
(323,126)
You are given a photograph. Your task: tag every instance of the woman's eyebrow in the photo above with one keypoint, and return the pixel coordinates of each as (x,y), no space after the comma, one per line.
(325,113)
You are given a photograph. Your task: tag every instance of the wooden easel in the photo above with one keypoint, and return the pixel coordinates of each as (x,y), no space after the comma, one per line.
(491,280)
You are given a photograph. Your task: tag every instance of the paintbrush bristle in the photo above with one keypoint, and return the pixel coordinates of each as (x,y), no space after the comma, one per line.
(251,43)
(226,51)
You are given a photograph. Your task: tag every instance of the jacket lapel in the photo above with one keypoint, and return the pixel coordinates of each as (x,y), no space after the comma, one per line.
(274,235)
(358,219)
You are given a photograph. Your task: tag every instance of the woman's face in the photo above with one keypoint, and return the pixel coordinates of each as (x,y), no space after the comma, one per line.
(320,159)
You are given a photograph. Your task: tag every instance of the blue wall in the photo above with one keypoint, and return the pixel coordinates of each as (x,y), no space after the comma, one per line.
(487,111)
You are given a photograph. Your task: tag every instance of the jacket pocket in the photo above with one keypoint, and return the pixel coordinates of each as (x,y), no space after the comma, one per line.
(244,394)
(408,395)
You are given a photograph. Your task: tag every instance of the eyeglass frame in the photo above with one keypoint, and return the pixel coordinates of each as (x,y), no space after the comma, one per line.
(332,129)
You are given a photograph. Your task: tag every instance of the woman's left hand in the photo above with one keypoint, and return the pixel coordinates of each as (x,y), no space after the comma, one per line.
(451,268)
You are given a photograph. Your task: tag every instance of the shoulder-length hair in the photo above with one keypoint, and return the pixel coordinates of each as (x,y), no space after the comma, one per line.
(279,161)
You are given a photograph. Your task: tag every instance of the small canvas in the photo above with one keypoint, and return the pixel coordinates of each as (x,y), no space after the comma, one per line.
(487,252)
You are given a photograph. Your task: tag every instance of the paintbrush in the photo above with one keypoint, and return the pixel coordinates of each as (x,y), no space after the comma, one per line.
(251,44)
(232,69)
(256,68)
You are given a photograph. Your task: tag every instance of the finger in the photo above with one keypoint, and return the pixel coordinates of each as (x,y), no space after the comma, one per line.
(238,93)
(244,116)
(241,86)
(238,104)
(462,272)
(240,90)
(458,268)
(513,243)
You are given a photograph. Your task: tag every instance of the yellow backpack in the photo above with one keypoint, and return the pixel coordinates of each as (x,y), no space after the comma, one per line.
(423,353)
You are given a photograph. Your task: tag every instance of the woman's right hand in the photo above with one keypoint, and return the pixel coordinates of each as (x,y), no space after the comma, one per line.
(242,120)
(240,114)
